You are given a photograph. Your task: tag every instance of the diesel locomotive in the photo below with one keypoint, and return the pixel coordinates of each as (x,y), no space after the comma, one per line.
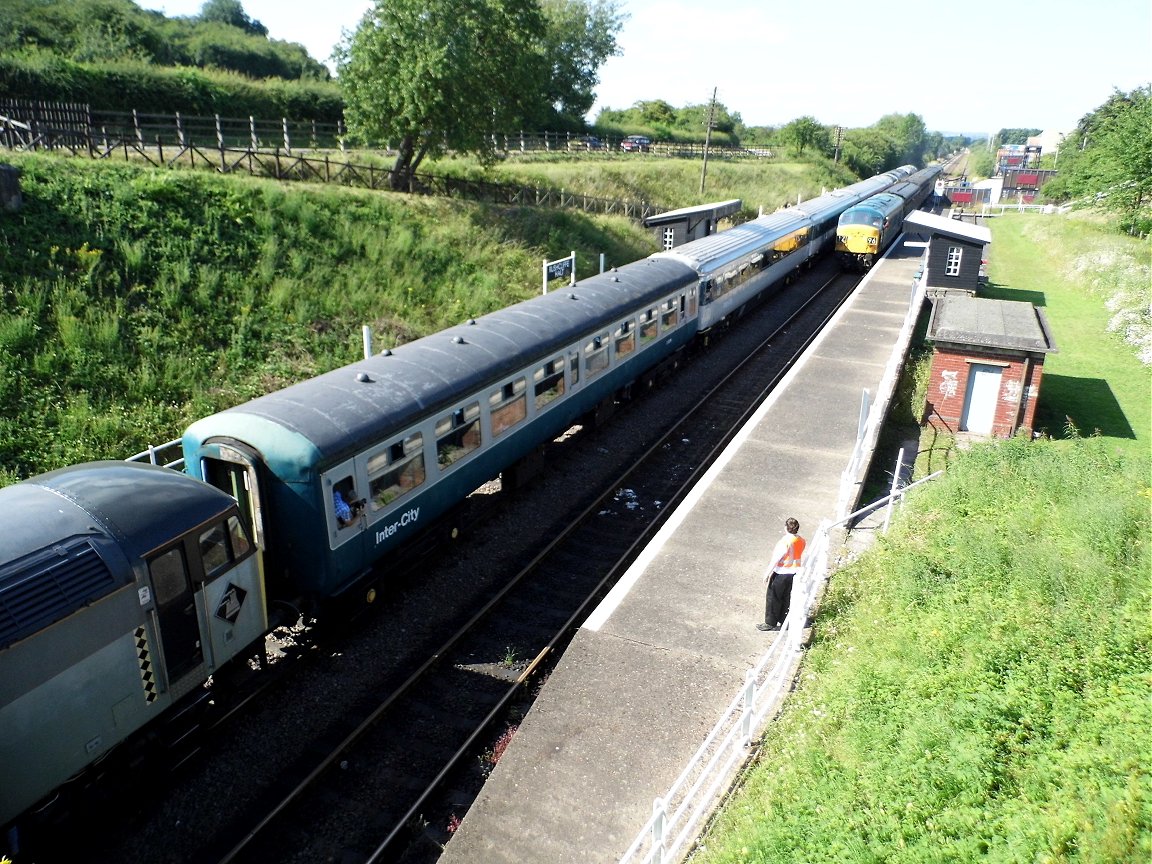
(865,230)
(124,587)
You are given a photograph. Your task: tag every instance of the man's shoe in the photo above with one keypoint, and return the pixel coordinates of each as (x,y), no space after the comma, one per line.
(766,628)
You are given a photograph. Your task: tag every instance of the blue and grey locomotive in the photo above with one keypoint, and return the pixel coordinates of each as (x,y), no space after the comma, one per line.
(123,586)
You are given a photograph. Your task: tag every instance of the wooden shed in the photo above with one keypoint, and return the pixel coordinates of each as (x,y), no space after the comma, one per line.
(955,252)
(676,227)
(987,361)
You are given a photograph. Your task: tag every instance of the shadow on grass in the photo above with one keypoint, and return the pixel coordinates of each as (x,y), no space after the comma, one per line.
(996,291)
(1087,402)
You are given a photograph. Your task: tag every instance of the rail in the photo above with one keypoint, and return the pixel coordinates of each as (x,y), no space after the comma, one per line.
(678,815)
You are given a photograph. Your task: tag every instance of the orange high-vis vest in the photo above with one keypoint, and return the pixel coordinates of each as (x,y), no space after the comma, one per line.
(790,561)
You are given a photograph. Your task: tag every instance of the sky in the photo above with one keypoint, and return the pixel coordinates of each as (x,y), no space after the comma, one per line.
(971,68)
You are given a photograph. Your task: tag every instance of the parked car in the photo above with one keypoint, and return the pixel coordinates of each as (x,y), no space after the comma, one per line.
(636,144)
(588,142)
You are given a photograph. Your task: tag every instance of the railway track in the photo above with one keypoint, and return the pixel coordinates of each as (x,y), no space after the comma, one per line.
(387,789)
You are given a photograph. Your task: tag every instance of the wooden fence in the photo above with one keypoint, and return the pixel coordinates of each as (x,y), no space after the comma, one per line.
(303,150)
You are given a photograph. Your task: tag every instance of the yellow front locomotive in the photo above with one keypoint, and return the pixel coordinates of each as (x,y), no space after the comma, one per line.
(864,231)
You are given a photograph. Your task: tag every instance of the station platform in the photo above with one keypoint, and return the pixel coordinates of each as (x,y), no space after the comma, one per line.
(646,678)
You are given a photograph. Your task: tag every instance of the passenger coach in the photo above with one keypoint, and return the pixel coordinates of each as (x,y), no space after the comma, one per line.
(410,432)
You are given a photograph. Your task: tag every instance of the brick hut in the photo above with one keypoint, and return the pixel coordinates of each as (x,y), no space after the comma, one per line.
(987,362)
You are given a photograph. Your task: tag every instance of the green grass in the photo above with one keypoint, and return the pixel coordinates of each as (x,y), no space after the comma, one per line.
(1096,380)
(136,300)
(978,684)
(759,183)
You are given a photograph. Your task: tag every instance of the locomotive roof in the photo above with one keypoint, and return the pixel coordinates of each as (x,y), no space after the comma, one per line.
(51,526)
(351,406)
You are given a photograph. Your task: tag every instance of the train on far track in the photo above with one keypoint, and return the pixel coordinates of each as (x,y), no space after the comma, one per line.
(865,231)
(125,587)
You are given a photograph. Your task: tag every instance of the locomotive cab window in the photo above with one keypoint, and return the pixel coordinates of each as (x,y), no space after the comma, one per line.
(221,546)
(508,406)
(169,576)
(548,382)
(625,338)
(457,435)
(396,470)
(596,355)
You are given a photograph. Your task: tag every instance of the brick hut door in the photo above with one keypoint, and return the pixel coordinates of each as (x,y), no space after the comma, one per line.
(980,399)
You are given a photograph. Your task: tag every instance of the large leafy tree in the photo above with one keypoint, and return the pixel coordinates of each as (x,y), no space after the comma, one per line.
(578,36)
(804,132)
(432,75)
(1107,161)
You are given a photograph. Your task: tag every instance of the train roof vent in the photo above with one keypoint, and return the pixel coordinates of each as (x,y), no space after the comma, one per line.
(48,586)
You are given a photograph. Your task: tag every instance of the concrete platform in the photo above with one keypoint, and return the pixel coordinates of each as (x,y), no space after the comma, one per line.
(646,678)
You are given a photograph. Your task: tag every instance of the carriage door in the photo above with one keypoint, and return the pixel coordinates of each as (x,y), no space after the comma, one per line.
(236,475)
(176,612)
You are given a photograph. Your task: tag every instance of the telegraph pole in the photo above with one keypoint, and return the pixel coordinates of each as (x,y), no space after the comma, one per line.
(708,137)
(839,138)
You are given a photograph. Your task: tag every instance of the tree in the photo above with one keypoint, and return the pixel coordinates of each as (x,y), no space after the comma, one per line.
(907,133)
(433,75)
(578,36)
(231,12)
(804,132)
(1107,161)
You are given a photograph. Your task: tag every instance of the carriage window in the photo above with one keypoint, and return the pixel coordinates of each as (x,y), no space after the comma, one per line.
(508,406)
(648,330)
(574,368)
(669,314)
(396,470)
(596,355)
(169,576)
(548,382)
(691,304)
(458,434)
(214,550)
(625,338)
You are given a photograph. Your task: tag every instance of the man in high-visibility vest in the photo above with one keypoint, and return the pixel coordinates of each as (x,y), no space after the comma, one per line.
(786,559)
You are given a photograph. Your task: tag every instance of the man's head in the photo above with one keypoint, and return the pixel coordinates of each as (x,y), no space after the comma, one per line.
(792,526)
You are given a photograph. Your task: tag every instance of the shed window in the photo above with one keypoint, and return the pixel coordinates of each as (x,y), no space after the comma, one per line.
(548,382)
(396,470)
(508,406)
(669,238)
(952,267)
(457,434)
